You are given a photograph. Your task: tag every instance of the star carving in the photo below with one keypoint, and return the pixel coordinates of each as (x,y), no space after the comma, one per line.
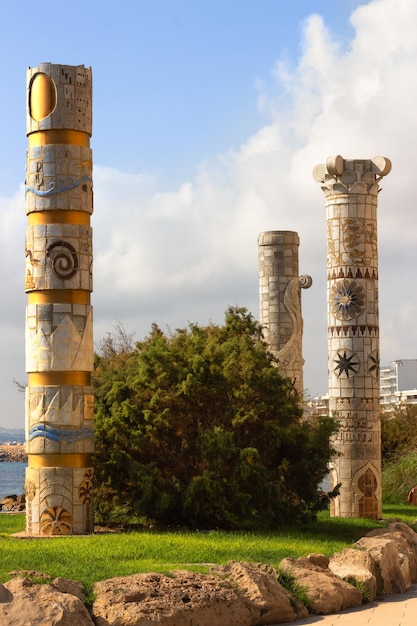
(347,363)
(373,364)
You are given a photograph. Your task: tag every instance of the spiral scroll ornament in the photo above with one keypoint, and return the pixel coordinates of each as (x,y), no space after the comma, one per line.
(64,259)
(305,281)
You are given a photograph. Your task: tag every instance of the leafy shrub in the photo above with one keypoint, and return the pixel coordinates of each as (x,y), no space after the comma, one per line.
(199,429)
(398,477)
(398,432)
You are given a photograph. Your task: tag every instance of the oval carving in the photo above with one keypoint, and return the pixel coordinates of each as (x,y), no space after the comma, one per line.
(42,97)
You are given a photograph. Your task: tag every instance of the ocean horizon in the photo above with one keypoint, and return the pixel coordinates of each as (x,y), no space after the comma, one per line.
(12,479)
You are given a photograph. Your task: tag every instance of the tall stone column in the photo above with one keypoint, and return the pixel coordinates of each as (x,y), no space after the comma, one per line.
(280,300)
(59,323)
(351,190)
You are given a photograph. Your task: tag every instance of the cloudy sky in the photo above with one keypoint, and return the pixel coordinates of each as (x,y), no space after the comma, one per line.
(209,116)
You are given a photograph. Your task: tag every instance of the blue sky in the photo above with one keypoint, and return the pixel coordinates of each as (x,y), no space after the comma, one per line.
(208,119)
(175,81)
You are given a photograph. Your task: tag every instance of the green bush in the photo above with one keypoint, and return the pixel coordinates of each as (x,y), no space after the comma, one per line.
(398,432)
(398,477)
(199,429)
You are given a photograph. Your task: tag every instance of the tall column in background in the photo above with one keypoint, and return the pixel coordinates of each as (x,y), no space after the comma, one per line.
(351,190)
(59,324)
(280,300)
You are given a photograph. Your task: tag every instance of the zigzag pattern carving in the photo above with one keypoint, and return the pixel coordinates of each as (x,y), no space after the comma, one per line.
(65,349)
(58,413)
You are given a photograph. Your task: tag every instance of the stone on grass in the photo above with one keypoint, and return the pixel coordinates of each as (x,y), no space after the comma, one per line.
(24,603)
(395,554)
(358,565)
(406,540)
(326,592)
(257,585)
(181,599)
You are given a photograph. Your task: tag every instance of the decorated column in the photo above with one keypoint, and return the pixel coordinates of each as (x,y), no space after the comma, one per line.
(280,300)
(59,323)
(351,189)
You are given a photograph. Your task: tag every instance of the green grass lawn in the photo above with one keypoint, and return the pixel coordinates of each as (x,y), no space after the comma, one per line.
(101,556)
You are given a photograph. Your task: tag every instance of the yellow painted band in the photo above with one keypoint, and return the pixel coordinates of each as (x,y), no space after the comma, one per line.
(39,218)
(59,296)
(44,379)
(60,460)
(59,136)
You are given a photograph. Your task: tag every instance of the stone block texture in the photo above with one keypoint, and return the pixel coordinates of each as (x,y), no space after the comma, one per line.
(351,190)
(59,316)
(280,300)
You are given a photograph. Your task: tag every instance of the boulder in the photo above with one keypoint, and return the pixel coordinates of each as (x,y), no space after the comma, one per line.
(358,565)
(327,593)
(257,585)
(319,559)
(181,599)
(393,550)
(406,540)
(12,503)
(23,602)
(73,587)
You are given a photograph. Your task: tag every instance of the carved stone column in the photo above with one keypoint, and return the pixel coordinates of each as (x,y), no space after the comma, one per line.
(280,300)
(59,318)
(351,190)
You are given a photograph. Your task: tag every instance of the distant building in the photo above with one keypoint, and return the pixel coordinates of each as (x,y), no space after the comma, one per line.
(398,383)
(319,405)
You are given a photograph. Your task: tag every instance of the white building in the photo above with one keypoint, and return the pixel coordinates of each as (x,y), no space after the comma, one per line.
(398,383)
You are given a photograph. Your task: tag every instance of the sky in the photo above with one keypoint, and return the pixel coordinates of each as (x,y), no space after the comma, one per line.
(209,117)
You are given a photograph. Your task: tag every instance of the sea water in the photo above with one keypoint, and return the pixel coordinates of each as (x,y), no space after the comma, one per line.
(12,479)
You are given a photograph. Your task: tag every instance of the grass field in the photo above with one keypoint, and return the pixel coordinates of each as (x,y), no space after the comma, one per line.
(100,556)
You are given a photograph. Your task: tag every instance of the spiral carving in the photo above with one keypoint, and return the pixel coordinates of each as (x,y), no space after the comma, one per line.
(64,259)
(305,281)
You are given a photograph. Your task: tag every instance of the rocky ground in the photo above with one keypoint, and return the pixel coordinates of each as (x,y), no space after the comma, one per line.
(383,562)
(12,454)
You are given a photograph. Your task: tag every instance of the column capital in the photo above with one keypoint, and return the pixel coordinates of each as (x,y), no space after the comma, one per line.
(345,176)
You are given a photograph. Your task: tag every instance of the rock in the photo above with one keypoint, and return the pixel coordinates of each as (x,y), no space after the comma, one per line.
(267,600)
(407,543)
(319,559)
(326,592)
(31,575)
(12,454)
(8,503)
(5,595)
(356,564)
(23,602)
(241,594)
(69,586)
(12,503)
(181,599)
(394,552)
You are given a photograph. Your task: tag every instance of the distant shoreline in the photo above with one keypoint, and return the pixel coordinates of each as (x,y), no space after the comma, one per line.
(13,454)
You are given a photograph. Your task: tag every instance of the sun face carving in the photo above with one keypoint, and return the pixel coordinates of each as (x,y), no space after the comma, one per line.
(347,299)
